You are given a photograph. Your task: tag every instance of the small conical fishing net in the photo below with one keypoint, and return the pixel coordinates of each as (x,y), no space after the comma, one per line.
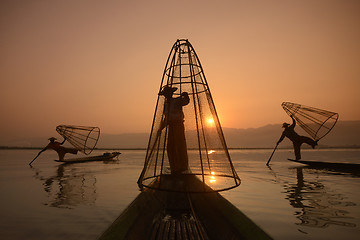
(186,137)
(316,122)
(82,138)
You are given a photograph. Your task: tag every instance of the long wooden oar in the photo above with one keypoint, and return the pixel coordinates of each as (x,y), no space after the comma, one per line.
(272,154)
(37,156)
(34,159)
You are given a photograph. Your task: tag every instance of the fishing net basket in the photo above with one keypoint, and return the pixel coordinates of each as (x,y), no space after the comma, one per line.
(316,122)
(82,138)
(195,139)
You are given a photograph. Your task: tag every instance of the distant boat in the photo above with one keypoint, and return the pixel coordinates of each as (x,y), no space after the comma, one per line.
(178,215)
(105,157)
(354,167)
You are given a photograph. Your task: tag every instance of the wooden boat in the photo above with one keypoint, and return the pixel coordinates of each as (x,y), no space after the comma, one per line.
(330,165)
(177,215)
(105,157)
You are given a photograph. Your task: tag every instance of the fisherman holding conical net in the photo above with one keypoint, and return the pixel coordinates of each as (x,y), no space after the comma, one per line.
(183,148)
(316,122)
(83,139)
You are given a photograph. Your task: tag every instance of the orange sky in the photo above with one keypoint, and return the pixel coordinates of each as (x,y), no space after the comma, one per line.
(100,63)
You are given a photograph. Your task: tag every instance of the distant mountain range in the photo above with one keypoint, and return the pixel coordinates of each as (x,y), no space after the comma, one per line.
(344,134)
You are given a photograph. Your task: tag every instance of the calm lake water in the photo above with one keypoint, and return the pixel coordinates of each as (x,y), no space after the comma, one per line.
(79,201)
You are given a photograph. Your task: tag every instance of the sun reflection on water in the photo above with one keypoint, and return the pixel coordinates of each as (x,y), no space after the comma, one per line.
(212,178)
(211,151)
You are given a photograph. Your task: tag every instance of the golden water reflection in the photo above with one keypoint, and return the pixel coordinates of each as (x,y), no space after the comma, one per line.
(211,151)
(212,178)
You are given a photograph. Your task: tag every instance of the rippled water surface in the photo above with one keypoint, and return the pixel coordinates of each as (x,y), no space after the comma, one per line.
(79,201)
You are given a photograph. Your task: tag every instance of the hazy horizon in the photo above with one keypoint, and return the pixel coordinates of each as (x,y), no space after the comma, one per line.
(344,134)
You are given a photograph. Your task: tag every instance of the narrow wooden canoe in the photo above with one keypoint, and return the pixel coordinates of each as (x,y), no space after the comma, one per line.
(175,215)
(105,157)
(330,165)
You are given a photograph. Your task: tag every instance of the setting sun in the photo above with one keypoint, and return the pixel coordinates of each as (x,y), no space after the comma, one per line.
(210,122)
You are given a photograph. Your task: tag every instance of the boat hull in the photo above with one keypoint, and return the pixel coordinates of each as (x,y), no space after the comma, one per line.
(330,165)
(104,157)
(176,215)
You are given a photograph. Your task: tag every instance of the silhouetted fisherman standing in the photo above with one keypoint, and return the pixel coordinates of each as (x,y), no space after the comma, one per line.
(296,139)
(174,118)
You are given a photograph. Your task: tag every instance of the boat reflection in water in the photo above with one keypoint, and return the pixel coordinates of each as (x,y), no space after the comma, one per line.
(316,205)
(69,187)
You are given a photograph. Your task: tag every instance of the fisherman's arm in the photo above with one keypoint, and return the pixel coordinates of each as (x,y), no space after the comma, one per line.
(185,98)
(281,138)
(162,123)
(163,120)
(293,123)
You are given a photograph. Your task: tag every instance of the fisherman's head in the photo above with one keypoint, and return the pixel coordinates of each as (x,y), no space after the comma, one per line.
(167,91)
(285,125)
(52,139)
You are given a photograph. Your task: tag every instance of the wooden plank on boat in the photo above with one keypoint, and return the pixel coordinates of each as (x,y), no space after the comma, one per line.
(104,157)
(207,216)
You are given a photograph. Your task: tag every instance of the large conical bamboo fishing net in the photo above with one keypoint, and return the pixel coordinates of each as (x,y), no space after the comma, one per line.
(186,137)
(82,138)
(316,122)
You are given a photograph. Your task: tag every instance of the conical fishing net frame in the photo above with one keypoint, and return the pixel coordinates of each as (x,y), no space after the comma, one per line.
(316,122)
(82,138)
(205,152)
